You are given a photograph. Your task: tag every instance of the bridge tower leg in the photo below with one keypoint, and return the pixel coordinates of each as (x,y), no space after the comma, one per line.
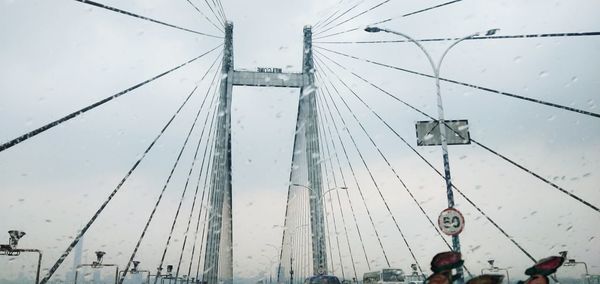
(313,155)
(306,167)
(218,260)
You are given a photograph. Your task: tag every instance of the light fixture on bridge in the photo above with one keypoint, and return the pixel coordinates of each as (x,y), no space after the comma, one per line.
(97,264)
(563,253)
(11,249)
(491,32)
(99,257)
(15,236)
(135,265)
(372,29)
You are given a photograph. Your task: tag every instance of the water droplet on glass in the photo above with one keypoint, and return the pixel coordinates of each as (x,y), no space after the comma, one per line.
(517,59)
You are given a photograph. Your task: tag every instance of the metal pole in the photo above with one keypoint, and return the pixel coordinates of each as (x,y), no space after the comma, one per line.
(39,265)
(291,270)
(442,127)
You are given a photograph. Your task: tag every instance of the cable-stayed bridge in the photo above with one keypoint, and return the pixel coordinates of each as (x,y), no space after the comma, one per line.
(330,223)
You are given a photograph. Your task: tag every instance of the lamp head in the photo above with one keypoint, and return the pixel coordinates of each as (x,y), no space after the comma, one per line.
(563,253)
(372,29)
(169,268)
(491,32)
(99,256)
(15,236)
(135,265)
(491,262)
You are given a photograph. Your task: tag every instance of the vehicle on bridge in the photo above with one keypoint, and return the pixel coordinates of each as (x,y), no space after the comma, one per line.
(386,275)
(322,279)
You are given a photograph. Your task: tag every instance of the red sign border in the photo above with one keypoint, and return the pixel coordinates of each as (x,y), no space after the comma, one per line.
(459,214)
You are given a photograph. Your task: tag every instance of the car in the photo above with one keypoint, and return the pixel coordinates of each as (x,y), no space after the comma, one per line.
(322,279)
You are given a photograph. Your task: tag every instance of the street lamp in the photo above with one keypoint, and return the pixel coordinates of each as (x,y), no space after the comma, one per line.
(136,270)
(332,189)
(496,269)
(441,121)
(317,218)
(572,262)
(169,275)
(11,250)
(97,264)
(320,197)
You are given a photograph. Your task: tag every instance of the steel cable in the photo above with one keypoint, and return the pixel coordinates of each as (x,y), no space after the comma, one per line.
(369,170)
(158,201)
(335,184)
(511,239)
(537,101)
(355,178)
(208,115)
(113,9)
(206,17)
(60,260)
(389,19)
(79,112)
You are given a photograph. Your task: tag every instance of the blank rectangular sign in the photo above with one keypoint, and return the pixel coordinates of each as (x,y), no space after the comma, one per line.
(457,133)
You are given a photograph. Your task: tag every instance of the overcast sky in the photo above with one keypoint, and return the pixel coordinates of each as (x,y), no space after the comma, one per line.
(59,56)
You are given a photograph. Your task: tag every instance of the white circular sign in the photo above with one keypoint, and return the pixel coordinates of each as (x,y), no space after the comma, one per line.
(451,222)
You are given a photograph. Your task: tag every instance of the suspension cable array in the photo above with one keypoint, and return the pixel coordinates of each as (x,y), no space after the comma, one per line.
(340,116)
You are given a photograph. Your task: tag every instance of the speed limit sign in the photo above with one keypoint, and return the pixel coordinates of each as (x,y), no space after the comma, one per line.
(451,222)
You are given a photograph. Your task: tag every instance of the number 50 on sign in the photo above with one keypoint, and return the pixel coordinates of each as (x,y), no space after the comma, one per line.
(451,222)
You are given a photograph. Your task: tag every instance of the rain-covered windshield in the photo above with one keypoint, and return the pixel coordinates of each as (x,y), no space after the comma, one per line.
(269,141)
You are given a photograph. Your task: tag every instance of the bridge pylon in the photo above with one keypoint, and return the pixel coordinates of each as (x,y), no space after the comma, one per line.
(305,169)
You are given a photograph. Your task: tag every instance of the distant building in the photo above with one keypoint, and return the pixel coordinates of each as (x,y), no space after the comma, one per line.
(70,277)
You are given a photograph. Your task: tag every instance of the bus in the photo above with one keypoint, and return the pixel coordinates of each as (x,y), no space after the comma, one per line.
(386,275)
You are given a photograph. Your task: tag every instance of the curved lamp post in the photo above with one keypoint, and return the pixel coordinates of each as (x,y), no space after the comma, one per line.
(321,270)
(11,250)
(322,194)
(441,122)
(97,265)
(136,270)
